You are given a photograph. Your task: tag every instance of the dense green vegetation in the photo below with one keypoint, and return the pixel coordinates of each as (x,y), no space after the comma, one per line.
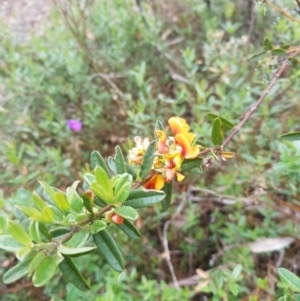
(118,70)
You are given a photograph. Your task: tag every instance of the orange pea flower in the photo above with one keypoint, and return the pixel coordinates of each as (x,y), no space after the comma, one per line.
(187,151)
(157,182)
(172,164)
(183,138)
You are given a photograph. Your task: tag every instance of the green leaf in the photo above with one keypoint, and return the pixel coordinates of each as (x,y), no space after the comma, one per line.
(104,182)
(44,230)
(122,187)
(71,273)
(129,229)
(59,231)
(97,160)
(88,201)
(74,251)
(285,46)
(44,272)
(34,231)
(258,56)
(148,160)
(267,44)
(237,271)
(8,243)
(19,233)
(22,218)
(31,212)
(23,253)
(101,177)
(112,165)
(119,161)
(189,164)
(296,297)
(105,195)
(89,178)
(58,215)
(3,224)
(234,289)
(159,126)
(225,123)
(79,239)
(74,199)
(61,201)
(168,188)
(48,215)
(127,212)
(36,261)
(294,62)
(130,171)
(109,250)
(289,277)
(18,271)
(291,136)
(99,202)
(58,197)
(38,201)
(48,189)
(97,226)
(144,198)
(217,132)
(278,51)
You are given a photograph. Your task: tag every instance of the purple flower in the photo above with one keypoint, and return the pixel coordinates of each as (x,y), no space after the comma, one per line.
(74,124)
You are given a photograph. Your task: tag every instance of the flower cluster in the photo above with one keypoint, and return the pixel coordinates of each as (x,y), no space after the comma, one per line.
(170,153)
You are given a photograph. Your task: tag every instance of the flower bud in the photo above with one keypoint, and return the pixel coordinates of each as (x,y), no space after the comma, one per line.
(117,219)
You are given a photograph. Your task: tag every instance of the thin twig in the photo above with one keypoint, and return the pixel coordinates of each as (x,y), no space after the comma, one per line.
(298,3)
(84,222)
(252,22)
(284,13)
(167,254)
(254,107)
(110,82)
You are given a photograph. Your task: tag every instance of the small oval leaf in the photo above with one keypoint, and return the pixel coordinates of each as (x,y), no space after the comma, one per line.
(97,160)
(74,251)
(168,188)
(47,214)
(225,123)
(71,273)
(79,239)
(97,226)
(217,132)
(127,212)
(19,233)
(44,272)
(144,198)
(39,257)
(289,277)
(119,161)
(291,136)
(148,160)
(108,248)
(122,188)
(129,229)
(8,243)
(18,271)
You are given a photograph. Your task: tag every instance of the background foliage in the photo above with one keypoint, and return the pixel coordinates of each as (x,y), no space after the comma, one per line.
(119,69)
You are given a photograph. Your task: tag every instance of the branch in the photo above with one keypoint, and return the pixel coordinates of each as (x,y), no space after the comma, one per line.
(282,11)
(254,107)
(298,3)
(83,223)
